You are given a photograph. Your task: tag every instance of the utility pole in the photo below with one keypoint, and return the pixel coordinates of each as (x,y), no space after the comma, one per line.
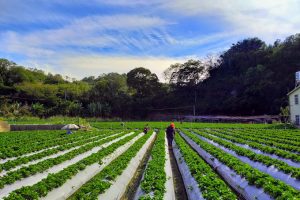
(194,107)
(195,102)
(194,110)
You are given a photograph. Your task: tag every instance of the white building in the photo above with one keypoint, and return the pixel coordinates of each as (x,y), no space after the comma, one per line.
(294,104)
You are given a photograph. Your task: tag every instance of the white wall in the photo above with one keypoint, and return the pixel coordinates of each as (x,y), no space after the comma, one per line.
(294,109)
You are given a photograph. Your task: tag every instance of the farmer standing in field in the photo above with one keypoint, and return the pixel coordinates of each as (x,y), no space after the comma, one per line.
(170,133)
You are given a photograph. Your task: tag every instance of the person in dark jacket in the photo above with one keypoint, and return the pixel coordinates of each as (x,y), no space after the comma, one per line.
(146,129)
(170,133)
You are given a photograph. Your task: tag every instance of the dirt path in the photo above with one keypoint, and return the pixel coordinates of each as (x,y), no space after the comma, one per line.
(180,192)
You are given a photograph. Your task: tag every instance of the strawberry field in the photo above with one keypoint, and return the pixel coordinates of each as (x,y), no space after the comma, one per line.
(110,162)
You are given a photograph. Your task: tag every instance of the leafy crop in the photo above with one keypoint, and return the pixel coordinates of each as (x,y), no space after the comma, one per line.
(103,180)
(56,180)
(79,142)
(248,140)
(268,161)
(211,185)
(23,172)
(267,140)
(155,176)
(29,145)
(275,188)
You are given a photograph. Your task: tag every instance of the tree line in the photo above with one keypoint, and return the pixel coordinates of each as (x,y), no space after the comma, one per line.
(250,78)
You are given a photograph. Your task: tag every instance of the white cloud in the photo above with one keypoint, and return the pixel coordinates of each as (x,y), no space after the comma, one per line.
(206,39)
(115,22)
(88,32)
(268,19)
(79,66)
(121,64)
(12,42)
(70,44)
(67,50)
(121,3)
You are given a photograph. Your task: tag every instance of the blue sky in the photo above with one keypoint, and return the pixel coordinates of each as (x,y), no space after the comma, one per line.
(82,38)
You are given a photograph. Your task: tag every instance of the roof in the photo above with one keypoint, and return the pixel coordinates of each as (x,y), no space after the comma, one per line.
(294,90)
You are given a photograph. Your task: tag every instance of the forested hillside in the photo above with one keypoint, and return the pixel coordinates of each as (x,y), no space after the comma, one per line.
(254,78)
(250,78)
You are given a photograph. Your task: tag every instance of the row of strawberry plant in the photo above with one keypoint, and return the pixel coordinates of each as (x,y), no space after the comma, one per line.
(41,137)
(30,150)
(275,188)
(32,146)
(265,142)
(23,160)
(18,137)
(52,181)
(78,135)
(274,135)
(19,150)
(266,149)
(211,185)
(262,135)
(269,141)
(268,161)
(30,170)
(104,179)
(280,133)
(155,177)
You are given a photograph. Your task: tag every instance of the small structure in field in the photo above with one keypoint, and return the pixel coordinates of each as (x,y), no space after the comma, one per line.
(70,127)
(294,103)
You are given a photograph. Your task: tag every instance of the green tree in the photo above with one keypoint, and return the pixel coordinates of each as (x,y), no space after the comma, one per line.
(285,114)
(5,65)
(110,95)
(187,74)
(38,109)
(143,82)
(72,91)
(54,79)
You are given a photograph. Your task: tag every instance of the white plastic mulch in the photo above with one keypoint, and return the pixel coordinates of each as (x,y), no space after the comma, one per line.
(38,177)
(190,184)
(271,170)
(53,155)
(117,190)
(35,152)
(169,185)
(257,151)
(237,182)
(72,185)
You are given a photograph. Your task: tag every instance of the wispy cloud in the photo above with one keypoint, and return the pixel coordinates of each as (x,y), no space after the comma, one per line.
(91,37)
(87,32)
(268,19)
